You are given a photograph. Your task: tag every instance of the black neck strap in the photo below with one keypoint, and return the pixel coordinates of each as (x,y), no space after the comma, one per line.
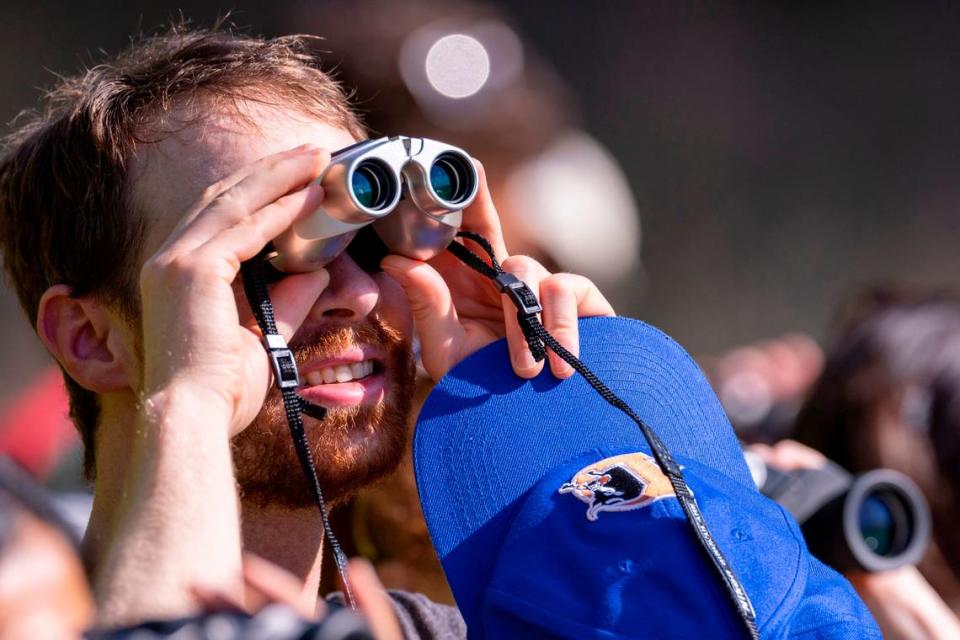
(539,339)
(287,379)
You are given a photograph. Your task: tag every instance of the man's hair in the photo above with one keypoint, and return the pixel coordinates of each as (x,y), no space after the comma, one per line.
(65,212)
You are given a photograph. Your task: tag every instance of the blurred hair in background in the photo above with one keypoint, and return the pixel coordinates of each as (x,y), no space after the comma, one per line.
(889,396)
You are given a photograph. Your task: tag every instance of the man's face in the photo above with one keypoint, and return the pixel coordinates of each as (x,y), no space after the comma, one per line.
(353,350)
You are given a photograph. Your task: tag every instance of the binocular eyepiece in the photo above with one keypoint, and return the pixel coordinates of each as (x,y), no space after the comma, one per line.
(412,191)
(876,521)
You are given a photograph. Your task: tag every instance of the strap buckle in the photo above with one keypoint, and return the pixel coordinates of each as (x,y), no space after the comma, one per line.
(519,293)
(281,359)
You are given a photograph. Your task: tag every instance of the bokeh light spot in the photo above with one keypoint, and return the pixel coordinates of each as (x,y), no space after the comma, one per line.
(457,65)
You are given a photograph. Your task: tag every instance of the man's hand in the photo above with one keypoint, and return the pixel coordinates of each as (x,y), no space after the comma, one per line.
(458,311)
(192,334)
(204,379)
(265,583)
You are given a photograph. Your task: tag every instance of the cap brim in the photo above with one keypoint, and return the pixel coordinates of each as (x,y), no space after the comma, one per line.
(485,436)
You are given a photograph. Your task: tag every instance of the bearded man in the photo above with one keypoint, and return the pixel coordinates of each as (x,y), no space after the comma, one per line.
(127,204)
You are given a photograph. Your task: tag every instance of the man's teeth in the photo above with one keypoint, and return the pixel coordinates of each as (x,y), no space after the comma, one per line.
(340,373)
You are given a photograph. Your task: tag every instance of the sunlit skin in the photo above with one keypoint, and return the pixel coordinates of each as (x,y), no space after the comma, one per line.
(177,386)
(169,177)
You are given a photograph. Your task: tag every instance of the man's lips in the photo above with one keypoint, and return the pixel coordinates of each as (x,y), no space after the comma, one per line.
(351,378)
(340,373)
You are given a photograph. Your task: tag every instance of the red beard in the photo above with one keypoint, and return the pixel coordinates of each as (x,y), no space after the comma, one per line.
(352,447)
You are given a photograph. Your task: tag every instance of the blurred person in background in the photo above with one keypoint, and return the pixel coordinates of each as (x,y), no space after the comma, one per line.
(44,594)
(901,600)
(762,385)
(889,397)
(460,72)
(43,590)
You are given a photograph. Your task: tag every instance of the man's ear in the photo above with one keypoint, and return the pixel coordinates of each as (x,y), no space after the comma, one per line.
(86,338)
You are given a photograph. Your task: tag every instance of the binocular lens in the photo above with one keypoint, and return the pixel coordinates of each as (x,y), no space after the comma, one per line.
(884,523)
(450,178)
(371,185)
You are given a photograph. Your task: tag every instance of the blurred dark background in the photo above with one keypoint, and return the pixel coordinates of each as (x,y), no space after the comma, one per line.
(780,155)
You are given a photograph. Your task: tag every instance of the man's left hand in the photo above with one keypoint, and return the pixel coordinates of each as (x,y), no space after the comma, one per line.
(459,311)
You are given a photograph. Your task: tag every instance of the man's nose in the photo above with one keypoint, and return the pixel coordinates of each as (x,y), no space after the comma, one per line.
(351,295)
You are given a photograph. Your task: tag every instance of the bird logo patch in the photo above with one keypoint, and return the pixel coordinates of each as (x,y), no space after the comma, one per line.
(621,483)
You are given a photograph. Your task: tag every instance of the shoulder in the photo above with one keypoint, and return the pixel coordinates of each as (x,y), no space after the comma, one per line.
(421,618)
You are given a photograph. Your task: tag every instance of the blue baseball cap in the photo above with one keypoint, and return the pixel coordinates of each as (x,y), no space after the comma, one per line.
(551,518)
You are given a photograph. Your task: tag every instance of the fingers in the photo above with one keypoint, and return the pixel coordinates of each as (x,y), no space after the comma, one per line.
(481,216)
(532,273)
(373,601)
(294,296)
(559,316)
(219,259)
(249,234)
(269,179)
(790,455)
(267,583)
(565,297)
(436,318)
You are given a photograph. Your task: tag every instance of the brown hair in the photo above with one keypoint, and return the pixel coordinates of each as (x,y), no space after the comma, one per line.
(64,210)
(889,396)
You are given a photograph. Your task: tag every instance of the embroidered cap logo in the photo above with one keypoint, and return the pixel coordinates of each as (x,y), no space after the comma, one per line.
(620,483)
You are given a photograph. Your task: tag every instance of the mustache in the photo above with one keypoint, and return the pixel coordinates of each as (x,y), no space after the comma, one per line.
(323,342)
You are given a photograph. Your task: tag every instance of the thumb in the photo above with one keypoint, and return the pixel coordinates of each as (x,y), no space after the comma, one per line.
(294,296)
(373,601)
(436,318)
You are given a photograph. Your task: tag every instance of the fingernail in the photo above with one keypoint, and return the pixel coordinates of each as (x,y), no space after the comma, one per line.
(564,371)
(397,275)
(524,361)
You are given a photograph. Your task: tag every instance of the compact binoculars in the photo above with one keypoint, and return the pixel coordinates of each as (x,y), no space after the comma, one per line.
(412,191)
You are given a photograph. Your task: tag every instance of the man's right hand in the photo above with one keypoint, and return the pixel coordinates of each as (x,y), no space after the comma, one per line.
(192,337)
(204,379)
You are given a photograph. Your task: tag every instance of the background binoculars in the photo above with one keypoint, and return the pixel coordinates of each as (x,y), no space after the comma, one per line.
(875,521)
(410,191)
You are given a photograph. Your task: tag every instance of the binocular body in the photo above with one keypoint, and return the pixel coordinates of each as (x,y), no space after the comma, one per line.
(876,521)
(411,190)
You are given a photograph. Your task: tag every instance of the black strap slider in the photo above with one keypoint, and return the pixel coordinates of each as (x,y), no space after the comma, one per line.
(282,360)
(518,291)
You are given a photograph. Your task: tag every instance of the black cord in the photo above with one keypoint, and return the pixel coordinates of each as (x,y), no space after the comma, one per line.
(538,338)
(254,276)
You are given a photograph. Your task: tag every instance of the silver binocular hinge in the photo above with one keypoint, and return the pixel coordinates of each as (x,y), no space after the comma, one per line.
(412,190)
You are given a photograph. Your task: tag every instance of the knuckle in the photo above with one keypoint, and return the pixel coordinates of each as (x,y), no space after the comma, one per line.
(212,191)
(163,269)
(560,285)
(250,228)
(231,201)
(521,265)
(179,265)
